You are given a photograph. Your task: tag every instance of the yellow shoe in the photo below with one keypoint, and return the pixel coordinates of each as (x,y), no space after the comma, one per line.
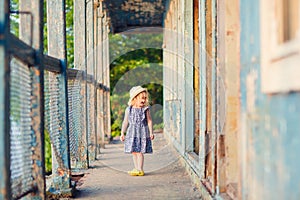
(136,172)
(133,172)
(141,173)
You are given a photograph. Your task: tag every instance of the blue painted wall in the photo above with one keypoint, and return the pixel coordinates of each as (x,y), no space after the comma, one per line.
(272,125)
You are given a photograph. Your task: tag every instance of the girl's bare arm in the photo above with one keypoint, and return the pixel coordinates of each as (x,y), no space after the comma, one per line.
(124,126)
(150,125)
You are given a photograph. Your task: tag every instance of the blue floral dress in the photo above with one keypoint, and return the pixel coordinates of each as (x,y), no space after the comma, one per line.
(137,135)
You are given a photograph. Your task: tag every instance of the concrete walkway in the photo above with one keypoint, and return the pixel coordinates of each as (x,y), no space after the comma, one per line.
(165,177)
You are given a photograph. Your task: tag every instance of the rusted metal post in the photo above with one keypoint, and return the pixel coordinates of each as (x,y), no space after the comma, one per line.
(90,37)
(61,169)
(107,79)
(5,189)
(104,56)
(100,73)
(90,72)
(95,16)
(97,72)
(80,63)
(36,9)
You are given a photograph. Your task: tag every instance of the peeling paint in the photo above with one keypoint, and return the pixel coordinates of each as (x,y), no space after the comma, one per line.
(251,91)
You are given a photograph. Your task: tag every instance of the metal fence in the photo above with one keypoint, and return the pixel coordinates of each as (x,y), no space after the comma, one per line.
(21,137)
(40,96)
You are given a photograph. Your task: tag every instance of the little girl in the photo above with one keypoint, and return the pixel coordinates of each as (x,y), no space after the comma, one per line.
(137,124)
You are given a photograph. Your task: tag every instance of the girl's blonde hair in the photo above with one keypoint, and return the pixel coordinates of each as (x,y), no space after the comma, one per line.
(132,102)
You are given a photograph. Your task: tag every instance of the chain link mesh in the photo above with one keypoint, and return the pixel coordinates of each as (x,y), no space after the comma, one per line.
(75,99)
(21,134)
(52,113)
(91,121)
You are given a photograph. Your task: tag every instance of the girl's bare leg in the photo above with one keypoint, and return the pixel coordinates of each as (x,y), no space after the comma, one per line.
(140,161)
(135,160)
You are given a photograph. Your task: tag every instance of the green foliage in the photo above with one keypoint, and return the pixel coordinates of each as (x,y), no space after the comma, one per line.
(158,126)
(70,32)
(14,18)
(132,66)
(122,44)
(48,153)
(45,29)
(118,109)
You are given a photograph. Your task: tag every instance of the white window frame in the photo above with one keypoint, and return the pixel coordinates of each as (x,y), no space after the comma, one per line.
(280,62)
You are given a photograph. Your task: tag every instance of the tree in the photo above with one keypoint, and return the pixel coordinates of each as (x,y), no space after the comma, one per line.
(134,61)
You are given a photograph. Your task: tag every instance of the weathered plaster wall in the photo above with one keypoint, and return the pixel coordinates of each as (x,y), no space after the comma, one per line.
(258,144)
(178,78)
(270,123)
(229,95)
(178,73)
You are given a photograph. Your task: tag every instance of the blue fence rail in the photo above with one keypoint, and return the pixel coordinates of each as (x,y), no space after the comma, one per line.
(39,96)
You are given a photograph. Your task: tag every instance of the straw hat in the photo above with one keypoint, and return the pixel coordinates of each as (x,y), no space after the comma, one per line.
(134,91)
